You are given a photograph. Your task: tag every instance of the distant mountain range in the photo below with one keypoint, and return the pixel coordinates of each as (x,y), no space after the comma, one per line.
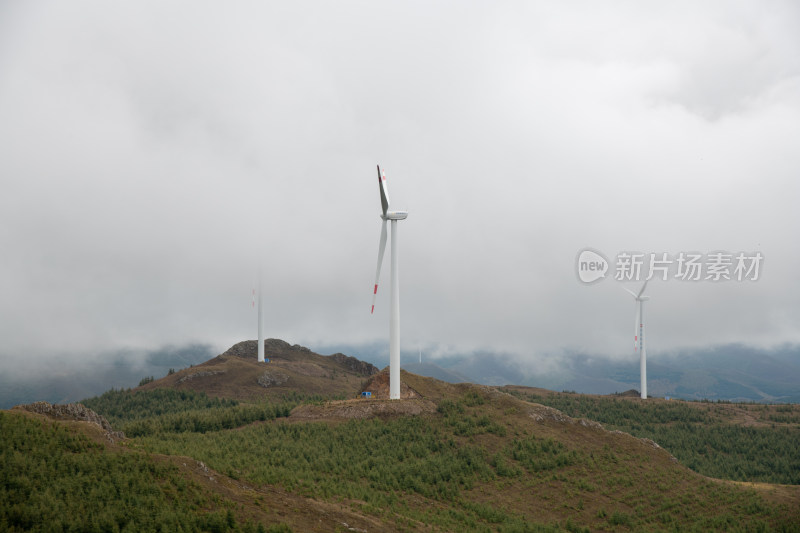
(64,383)
(733,373)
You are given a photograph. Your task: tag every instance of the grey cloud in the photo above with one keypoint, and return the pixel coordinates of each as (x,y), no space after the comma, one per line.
(152,155)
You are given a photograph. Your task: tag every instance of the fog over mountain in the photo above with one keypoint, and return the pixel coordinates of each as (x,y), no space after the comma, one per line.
(153,154)
(731,373)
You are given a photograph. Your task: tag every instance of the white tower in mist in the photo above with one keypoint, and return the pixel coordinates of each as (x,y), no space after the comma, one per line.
(638,337)
(260,321)
(394,310)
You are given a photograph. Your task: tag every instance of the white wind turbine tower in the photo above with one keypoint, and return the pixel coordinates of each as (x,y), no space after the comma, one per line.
(394,313)
(260,322)
(638,337)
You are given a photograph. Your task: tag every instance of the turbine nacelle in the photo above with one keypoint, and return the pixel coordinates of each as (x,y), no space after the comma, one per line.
(639,297)
(386,215)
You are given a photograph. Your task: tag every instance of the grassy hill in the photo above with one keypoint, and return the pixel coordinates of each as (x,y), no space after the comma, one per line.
(229,456)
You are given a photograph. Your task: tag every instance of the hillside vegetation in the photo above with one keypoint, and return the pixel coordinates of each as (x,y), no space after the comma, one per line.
(54,477)
(450,458)
(740,442)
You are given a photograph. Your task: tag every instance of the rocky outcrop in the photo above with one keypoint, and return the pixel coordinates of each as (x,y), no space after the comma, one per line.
(272,348)
(278,349)
(355,365)
(244,349)
(541,413)
(72,411)
(202,374)
(272,379)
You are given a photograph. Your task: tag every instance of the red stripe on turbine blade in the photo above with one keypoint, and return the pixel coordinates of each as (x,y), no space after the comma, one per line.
(372,310)
(376,289)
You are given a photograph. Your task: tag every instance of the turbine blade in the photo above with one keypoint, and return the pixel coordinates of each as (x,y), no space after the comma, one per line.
(642,289)
(384,191)
(381,249)
(636,329)
(631,292)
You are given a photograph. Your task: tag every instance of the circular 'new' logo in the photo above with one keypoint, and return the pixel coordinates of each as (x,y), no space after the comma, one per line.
(591,266)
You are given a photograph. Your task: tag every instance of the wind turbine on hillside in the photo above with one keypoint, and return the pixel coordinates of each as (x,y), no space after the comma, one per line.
(260,322)
(638,337)
(394,310)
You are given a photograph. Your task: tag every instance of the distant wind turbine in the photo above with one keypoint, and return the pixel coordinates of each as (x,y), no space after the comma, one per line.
(638,337)
(260,322)
(394,310)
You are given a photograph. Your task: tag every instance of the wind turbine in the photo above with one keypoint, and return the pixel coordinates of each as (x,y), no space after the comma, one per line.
(394,310)
(260,322)
(638,337)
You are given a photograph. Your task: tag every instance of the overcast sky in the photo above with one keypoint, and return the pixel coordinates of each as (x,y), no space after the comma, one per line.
(151,153)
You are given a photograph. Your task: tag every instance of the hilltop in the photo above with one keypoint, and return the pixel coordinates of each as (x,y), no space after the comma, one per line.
(237,374)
